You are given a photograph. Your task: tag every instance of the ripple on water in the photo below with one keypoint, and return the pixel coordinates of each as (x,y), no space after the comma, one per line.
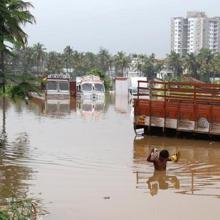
(198,178)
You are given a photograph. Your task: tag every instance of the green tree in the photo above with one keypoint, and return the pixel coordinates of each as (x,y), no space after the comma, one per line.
(140,62)
(175,63)
(78,63)
(54,63)
(103,59)
(150,66)
(89,61)
(13,14)
(21,62)
(192,65)
(68,58)
(216,63)
(206,60)
(39,57)
(122,62)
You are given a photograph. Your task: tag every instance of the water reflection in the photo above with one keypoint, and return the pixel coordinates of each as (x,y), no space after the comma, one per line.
(57,108)
(91,109)
(122,103)
(196,173)
(4,104)
(88,109)
(53,107)
(15,173)
(161,181)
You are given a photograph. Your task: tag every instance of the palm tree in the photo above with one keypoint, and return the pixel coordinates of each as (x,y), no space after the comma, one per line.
(103,58)
(90,61)
(216,64)
(151,66)
(175,63)
(206,60)
(21,62)
(140,63)
(39,56)
(27,58)
(78,63)
(121,62)
(192,65)
(68,58)
(54,62)
(13,14)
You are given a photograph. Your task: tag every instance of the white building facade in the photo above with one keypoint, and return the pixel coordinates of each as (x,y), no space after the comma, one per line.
(213,42)
(178,35)
(196,31)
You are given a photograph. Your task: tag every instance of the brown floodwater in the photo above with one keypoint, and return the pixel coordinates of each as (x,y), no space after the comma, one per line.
(83,161)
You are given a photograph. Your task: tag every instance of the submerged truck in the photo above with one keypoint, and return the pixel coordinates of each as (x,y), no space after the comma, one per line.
(90,87)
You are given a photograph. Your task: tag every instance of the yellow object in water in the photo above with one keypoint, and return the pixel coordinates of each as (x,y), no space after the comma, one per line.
(175,157)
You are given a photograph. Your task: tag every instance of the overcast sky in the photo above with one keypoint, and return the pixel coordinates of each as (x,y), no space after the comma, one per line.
(133,26)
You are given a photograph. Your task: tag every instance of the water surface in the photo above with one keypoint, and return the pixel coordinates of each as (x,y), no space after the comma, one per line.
(83,161)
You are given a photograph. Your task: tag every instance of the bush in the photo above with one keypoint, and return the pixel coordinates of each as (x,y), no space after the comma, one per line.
(22,90)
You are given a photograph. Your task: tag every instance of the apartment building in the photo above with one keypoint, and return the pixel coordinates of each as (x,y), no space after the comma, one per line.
(179,35)
(213,38)
(196,31)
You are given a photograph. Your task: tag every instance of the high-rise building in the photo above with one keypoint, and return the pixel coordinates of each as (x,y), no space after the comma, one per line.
(179,35)
(213,38)
(196,31)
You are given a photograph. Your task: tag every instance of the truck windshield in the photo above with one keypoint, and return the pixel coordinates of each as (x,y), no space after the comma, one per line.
(99,87)
(86,87)
(64,85)
(51,85)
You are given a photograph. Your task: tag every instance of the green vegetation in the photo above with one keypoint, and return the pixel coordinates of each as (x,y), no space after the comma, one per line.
(13,14)
(35,61)
(149,66)
(21,209)
(22,90)
(20,86)
(199,66)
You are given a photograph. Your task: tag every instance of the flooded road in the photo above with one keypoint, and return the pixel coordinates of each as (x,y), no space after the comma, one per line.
(83,161)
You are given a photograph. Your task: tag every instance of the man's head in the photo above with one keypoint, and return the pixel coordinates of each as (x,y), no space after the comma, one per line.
(164,154)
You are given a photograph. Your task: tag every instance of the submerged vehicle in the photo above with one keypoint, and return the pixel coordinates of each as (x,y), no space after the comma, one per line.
(56,86)
(90,87)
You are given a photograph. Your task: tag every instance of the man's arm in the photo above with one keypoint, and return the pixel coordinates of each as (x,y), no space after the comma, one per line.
(149,157)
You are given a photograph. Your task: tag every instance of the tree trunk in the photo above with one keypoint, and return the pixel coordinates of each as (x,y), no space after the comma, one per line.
(3,115)
(2,68)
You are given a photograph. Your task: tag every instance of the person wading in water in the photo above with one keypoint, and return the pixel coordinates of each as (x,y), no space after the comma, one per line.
(159,159)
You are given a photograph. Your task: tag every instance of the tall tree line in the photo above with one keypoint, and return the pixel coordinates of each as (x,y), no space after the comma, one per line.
(37,61)
(200,66)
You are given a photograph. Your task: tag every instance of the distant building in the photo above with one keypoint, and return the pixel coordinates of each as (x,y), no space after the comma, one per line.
(179,27)
(213,38)
(196,31)
(133,70)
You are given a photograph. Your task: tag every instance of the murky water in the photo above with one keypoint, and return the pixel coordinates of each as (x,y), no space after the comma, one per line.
(83,161)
